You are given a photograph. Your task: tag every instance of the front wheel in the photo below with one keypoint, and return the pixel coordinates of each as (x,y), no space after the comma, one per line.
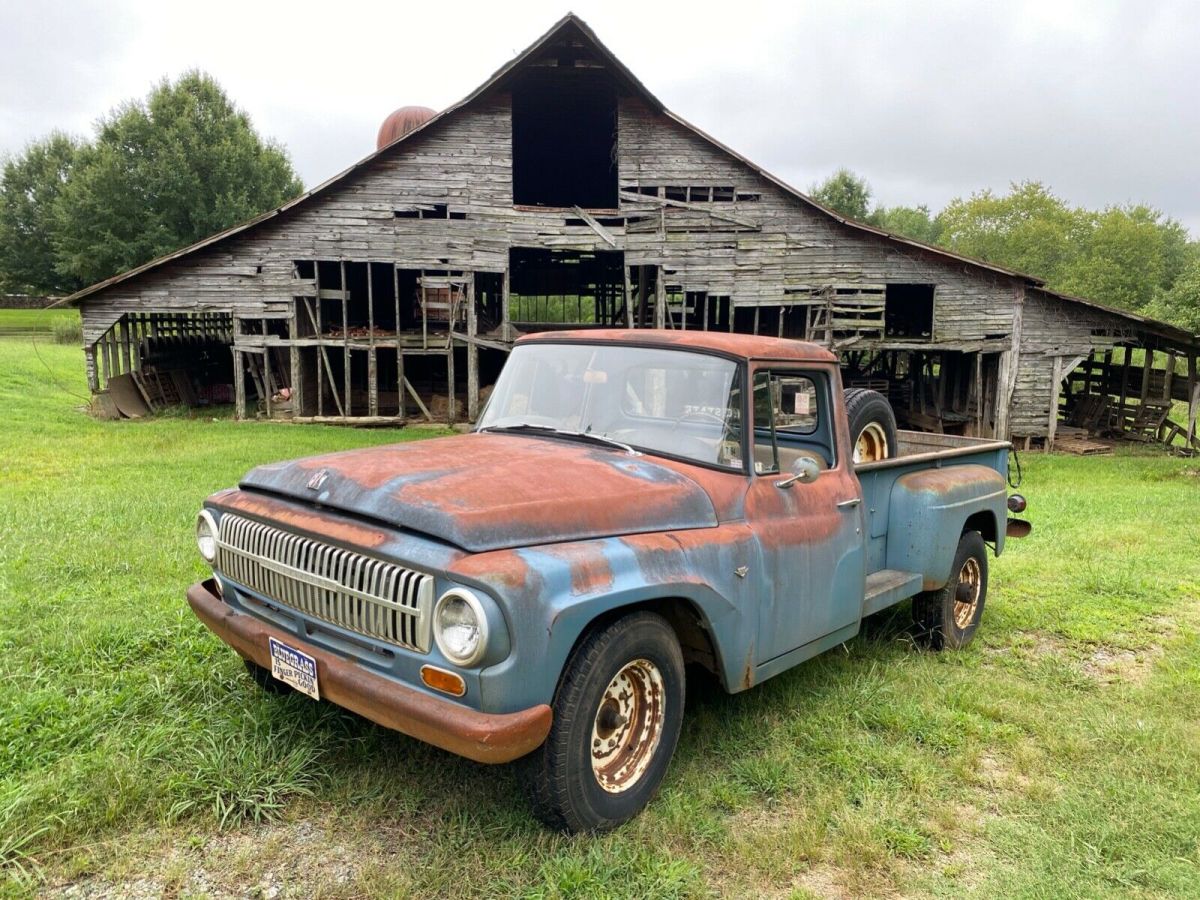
(617,714)
(948,618)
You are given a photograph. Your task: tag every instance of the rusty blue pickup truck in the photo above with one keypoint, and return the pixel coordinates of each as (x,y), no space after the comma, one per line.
(630,503)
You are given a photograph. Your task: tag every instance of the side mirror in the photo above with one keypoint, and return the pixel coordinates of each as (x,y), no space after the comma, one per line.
(804,471)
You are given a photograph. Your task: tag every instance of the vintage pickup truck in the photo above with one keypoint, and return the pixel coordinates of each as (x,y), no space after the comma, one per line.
(629,503)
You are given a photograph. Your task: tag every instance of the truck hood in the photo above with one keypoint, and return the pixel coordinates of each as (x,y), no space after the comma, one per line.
(491,491)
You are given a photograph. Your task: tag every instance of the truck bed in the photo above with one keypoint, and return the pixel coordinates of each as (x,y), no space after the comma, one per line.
(919,452)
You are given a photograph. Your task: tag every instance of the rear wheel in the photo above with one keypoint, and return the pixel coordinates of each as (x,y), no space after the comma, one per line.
(617,715)
(872,425)
(948,618)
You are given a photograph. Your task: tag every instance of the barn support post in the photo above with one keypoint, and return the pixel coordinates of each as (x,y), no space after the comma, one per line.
(1123,401)
(126,357)
(347,408)
(401,406)
(320,341)
(1147,369)
(472,355)
(1009,361)
(89,356)
(628,298)
(1193,399)
(506,328)
(239,384)
(372,377)
(660,300)
(293,324)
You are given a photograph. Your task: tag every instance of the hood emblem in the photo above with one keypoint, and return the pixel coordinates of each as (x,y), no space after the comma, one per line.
(318,479)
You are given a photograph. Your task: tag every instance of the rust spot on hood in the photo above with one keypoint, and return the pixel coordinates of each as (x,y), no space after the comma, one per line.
(488,491)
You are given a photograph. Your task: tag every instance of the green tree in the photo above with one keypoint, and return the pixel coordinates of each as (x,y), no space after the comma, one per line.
(29,189)
(1029,229)
(846,193)
(910,221)
(1180,304)
(1126,256)
(163,173)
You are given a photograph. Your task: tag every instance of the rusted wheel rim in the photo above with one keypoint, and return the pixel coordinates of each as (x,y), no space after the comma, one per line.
(628,726)
(872,444)
(966,595)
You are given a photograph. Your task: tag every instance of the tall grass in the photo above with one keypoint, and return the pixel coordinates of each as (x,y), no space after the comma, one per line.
(132,746)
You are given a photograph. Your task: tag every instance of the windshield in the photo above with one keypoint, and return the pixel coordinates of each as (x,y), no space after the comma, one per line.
(672,402)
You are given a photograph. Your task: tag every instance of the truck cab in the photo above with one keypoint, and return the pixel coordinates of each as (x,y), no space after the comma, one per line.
(629,502)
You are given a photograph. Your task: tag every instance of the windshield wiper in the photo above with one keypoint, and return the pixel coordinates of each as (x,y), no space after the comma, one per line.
(579,435)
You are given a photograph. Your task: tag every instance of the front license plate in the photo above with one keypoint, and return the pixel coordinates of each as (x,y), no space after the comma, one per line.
(293,668)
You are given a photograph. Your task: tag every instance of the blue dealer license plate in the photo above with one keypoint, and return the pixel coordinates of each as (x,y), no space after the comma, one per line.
(293,668)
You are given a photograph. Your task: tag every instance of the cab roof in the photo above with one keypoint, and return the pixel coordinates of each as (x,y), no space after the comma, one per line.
(747,346)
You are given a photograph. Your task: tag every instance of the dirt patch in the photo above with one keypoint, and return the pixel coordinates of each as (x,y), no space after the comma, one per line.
(265,861)
(1113,665)
(823,881)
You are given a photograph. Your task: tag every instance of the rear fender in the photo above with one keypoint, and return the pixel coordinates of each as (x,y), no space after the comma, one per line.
(931,508)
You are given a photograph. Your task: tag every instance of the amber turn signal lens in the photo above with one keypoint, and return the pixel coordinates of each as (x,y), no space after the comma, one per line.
(1016,503)
(441,680)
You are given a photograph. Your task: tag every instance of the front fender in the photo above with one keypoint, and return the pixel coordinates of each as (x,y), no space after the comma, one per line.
(551,594)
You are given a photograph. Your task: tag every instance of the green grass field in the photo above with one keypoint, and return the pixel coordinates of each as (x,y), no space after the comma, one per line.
(1059,755)
(34,321)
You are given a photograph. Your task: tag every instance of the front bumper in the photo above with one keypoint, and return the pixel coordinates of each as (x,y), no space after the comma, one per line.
(483,737)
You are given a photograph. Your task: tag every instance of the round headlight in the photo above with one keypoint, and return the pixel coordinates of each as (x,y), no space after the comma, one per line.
(206,536)
(460,627)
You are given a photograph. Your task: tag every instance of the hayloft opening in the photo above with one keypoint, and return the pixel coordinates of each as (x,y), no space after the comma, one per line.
(564,139)
(908,311)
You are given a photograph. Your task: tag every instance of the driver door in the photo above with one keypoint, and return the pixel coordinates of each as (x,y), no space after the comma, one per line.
(810,534)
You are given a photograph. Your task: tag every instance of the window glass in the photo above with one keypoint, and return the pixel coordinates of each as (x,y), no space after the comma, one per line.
(668,401)
(786,410)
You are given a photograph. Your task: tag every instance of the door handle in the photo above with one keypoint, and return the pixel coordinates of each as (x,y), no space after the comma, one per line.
(849,504)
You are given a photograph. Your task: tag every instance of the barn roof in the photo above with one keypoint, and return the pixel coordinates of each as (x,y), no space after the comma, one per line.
(564,27)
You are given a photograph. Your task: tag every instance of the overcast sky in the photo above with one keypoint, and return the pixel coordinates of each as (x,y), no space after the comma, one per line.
(927,100)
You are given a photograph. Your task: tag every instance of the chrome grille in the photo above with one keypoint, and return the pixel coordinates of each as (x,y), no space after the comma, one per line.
(356,592)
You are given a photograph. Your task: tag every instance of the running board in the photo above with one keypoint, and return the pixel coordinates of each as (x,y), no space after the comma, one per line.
(888,587)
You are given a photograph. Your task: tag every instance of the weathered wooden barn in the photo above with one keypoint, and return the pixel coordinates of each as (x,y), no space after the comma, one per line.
(562,192)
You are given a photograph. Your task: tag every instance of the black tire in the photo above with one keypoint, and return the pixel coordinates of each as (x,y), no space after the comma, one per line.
(948,618)
(264,679)
(872,425)
(564,784)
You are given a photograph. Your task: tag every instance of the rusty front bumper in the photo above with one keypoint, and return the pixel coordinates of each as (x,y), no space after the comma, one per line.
(483,737)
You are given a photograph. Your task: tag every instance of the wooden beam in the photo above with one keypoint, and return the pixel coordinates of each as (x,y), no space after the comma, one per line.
(399,343)
(604,233)
(372,376)
(346,405)
(239,384)
(506,328)
(417,399)
(628,298)
(316,320)
(472,356)
(1147,368)
(1010,362)
(660,300)
(294,356)
(1193,400)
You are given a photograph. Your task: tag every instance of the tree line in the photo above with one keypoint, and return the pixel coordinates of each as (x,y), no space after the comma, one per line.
(1131,257)
(159,173)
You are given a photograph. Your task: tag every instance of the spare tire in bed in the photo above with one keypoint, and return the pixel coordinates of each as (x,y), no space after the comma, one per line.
(872,425)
